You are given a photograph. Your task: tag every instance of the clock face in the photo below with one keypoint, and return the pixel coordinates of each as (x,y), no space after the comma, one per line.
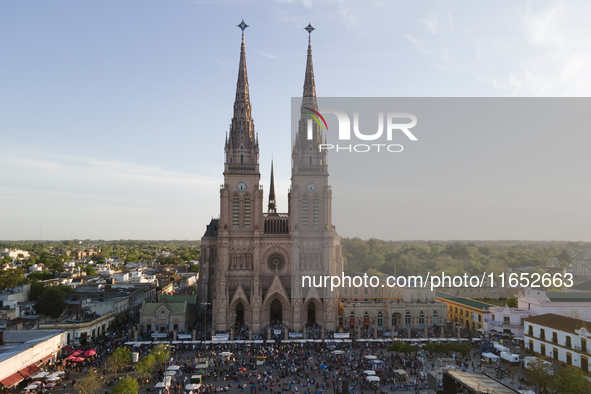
(241,186)
(310,187)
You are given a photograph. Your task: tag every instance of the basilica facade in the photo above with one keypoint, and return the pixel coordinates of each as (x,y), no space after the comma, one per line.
(252,258)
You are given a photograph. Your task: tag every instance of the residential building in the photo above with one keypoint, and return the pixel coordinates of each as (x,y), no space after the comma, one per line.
(467,313)
(14,253)
(565,339)
(506,320)
(393,316)
(22,351)
(570,304)
(81,330)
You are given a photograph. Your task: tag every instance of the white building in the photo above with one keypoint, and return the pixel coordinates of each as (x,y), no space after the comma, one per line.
(84,330)
(14,253)
(564,339)
(576,305)
(121,277)
(21,351)
(139,276)
(506,320)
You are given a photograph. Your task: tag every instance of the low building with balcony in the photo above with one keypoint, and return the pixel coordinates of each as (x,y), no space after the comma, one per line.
(467,313)
(564,339)
(506,320)
(376,318)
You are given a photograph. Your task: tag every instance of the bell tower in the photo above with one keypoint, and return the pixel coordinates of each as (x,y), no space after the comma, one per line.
(315,245)
(241,200)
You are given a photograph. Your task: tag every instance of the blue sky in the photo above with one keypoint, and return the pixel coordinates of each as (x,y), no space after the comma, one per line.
(113,113)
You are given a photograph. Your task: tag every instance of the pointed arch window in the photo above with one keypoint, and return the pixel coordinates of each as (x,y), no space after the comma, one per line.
(241,159)
(305,212)
(310,160)
(247,211)
(316,212)
(235,212)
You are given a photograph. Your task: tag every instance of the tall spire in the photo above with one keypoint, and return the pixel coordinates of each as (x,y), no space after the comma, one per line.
(306,150)
(242,145)
(272,203)
(242,95)
(309,85)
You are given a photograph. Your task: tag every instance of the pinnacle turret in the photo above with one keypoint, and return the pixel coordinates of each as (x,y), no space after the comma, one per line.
(272,203)
(242,145)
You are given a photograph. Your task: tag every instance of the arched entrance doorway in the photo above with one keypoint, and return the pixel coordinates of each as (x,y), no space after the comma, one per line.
(311,313)
(239,314)
(276,310)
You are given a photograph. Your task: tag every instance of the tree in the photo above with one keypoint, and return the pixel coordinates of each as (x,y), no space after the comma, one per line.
(161,354)
(538,372)
(570,380)
(564,257)
(91,383)
(90,270)
(374,272)
(40,275)
(401,347)
(10,277)
(52,302)
(145,366)
(193,267)
(119,359)
(512,302)
(36,290)
(126,386)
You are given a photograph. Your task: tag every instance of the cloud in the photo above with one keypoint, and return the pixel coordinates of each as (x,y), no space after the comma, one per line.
(267,55)
(430,22)
(554,56)
(225,65)
(417,44)
(98,197)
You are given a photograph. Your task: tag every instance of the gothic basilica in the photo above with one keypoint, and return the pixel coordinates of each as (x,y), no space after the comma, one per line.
(252,259)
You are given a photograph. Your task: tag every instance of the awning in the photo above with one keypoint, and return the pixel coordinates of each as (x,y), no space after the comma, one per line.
(12,380)
(29,371)
(68,349)
(47,358)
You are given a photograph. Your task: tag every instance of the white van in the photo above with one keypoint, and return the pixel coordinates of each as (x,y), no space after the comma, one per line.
(510,358)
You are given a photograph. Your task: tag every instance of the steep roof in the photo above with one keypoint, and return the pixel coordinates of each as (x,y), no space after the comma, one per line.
(174,308)
(559,322)
(175,299)
(212,228)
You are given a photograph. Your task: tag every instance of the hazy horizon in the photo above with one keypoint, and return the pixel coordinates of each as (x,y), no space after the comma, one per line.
(114,114)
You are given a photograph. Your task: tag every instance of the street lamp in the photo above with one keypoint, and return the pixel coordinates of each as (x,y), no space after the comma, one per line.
(205,304)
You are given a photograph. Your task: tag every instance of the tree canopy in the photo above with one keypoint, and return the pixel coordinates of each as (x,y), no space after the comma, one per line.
(126,386)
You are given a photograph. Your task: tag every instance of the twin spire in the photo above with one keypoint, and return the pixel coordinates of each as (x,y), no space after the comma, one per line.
(242,141)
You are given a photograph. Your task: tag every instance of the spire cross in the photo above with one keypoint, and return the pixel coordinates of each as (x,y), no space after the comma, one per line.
(242,26)
(309,29)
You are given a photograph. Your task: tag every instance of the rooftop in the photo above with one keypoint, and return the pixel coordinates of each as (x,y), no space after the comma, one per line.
(173,308)
(569,297)
(558,322)
(582,286)
(464,301)
(480,383)
(15,341)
